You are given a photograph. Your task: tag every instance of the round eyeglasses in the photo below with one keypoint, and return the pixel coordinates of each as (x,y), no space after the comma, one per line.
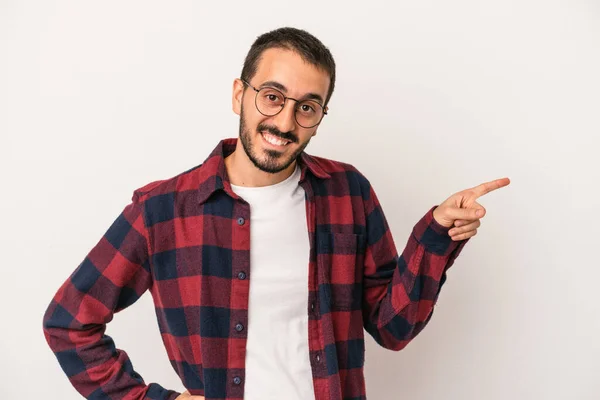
(270,101)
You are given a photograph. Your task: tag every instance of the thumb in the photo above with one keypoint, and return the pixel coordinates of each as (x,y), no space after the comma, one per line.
(187,396)
(465,213)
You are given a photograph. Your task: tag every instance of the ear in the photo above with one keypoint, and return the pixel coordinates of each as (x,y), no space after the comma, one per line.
(236,96)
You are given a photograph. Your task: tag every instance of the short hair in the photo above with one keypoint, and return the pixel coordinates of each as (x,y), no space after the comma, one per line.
(311,49)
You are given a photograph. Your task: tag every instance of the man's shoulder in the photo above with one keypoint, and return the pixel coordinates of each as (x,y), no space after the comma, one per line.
(187,180)
(333,167)
(344,172)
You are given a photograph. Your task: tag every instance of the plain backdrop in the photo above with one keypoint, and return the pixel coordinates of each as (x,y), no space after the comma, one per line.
(432,97)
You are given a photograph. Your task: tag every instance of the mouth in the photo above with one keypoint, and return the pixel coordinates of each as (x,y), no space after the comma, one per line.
(274,141)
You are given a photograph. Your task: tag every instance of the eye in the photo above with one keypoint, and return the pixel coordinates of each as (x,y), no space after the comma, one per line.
(271,96)
(307,108)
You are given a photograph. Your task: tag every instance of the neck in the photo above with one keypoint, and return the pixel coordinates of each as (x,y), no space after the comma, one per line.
(242,172)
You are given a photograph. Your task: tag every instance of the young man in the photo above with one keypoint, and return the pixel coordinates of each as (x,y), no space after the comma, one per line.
(265,264)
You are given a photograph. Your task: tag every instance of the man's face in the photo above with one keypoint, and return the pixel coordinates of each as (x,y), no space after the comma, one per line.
(288,72)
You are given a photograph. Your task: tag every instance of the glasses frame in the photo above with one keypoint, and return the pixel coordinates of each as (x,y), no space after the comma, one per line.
(285,98)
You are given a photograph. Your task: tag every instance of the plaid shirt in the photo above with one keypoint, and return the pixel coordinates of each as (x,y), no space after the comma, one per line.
(187,241)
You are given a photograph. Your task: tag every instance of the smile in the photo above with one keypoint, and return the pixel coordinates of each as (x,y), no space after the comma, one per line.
(273,140)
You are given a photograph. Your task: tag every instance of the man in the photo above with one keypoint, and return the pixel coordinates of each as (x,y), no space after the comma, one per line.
(266,265)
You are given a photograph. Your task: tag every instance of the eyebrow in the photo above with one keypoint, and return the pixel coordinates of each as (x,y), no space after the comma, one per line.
(279,86)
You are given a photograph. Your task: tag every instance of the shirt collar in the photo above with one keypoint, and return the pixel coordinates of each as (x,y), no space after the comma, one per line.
(213,174)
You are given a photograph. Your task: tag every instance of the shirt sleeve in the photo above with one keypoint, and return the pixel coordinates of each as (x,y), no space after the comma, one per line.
(400,291)
(113,276)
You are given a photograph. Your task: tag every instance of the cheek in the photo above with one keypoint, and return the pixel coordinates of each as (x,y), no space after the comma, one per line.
(249,120)
(307,136)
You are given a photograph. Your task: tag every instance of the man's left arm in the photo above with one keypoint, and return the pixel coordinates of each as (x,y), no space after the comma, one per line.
(400,291)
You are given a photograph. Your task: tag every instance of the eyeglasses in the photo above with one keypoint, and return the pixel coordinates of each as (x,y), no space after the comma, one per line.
(270,101)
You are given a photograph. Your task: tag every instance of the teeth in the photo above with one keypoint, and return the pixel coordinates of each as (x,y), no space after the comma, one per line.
(273,140)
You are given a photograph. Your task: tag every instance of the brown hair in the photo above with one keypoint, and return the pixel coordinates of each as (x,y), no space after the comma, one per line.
(306,45)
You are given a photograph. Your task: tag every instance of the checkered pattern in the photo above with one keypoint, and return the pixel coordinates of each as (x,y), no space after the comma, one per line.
(187,241)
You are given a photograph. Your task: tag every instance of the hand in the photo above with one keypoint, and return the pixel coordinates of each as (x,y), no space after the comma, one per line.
(462,210)
(187,396)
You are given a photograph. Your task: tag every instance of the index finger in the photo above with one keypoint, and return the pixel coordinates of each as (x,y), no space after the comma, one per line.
(487,187)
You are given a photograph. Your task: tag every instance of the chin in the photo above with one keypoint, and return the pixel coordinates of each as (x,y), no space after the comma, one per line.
(270,164)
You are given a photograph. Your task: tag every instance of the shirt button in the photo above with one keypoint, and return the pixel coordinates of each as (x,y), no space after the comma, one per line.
(312,306)
(241,221)
(237,380)
(318,358)
(239,327)
(242,275)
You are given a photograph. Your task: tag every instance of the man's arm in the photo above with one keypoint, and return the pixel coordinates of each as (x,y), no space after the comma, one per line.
(113,276)
(399,292)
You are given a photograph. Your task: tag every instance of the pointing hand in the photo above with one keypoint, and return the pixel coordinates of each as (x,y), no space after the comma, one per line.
(462,212)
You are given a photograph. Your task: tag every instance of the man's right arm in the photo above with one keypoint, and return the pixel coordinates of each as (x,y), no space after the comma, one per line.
(113,276)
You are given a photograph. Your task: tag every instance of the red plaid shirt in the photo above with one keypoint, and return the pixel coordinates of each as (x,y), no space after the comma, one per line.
(187,241)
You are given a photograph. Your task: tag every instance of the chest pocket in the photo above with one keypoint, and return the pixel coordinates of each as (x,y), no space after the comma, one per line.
(340,261)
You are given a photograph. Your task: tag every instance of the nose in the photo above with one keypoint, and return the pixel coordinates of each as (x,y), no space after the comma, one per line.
(286,120)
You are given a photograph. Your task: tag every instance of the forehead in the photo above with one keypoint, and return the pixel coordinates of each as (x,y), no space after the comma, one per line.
(289,69)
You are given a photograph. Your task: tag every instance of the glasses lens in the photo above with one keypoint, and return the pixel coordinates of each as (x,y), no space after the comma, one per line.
(269,101)
(309,113)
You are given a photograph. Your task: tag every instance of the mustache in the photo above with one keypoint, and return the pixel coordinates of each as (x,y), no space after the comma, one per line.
(276,132)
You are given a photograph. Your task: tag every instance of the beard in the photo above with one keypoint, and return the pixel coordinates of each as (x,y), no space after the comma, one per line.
(271,161)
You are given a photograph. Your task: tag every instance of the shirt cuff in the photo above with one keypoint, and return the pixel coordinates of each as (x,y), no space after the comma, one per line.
(434,237)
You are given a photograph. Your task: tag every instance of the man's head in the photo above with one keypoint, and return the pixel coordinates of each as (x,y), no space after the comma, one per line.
(302,69)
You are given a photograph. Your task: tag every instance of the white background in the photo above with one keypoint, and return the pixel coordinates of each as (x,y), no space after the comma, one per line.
(100,98)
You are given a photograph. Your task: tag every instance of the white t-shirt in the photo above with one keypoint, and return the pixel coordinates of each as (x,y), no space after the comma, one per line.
(277,357)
